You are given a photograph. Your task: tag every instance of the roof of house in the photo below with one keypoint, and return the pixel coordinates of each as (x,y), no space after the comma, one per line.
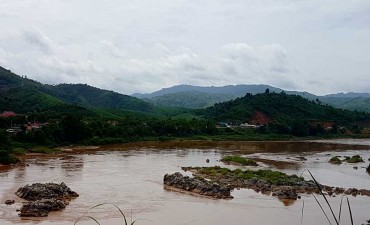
(8,114)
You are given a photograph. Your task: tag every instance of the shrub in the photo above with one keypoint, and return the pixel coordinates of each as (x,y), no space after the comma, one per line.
(355,159)
(335,160)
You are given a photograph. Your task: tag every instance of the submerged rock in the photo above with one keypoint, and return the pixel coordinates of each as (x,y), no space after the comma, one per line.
(9,202)
(197,185)
(44,198)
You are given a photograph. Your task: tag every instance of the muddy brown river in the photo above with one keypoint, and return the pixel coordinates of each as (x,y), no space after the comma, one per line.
(131,176)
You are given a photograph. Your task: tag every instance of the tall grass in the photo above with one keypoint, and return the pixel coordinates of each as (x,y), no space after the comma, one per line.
(337,219)
(85,216)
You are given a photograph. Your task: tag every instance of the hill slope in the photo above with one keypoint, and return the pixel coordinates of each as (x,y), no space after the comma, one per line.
(27,91)
(86,95)
(280,108)
(185,96)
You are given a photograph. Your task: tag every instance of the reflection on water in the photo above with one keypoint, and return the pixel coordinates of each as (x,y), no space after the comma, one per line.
(131,177)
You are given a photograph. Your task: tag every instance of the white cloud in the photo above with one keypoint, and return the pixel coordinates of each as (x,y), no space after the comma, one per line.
(142,46)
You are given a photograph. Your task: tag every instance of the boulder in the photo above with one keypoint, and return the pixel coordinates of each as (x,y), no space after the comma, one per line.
(44,198)
(9,202)
(41,208)
(40,191)
(197,185)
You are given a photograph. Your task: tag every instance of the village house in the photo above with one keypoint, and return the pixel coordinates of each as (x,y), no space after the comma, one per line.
(7,114)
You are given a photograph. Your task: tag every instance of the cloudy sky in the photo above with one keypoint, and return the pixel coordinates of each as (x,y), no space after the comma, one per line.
(321,46)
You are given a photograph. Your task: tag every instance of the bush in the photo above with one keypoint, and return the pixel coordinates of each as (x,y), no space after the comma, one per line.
(335,160)
(7,158)
(239,160)
(354,159)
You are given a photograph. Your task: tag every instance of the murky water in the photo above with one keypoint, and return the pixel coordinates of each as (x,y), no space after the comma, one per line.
(130,176)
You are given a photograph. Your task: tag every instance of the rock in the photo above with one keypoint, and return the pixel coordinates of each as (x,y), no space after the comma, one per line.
(207,160)
(352,191)
(286,194)
(197,185)
(39,191)
(41,208)
(355,167)
(9,202)
(44,198)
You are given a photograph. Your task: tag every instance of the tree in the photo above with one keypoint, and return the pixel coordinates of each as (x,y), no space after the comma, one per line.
(267,91)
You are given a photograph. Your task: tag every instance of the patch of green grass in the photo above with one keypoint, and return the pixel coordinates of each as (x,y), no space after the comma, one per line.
(271,176)
(19,151)
(239,160)
(335,160)
(354,159)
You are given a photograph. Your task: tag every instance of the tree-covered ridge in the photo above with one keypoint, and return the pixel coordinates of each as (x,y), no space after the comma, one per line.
(91,96)
(11,80)
(281,108)
(80,94)
(191,99)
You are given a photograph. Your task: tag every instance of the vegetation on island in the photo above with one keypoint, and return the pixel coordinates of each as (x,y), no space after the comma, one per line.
(335,160)
(271,176)
(239,160)
(354,159)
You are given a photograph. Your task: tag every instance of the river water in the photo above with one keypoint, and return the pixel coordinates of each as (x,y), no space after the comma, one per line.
(131,177)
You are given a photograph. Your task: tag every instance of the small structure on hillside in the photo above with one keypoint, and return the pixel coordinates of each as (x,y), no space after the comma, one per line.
(7,114)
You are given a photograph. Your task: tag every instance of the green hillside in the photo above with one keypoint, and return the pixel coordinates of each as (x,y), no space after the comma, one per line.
(24,94)
(11,80)
(86,95)
(357,103)
(281,108)
(192,99)
(28,100)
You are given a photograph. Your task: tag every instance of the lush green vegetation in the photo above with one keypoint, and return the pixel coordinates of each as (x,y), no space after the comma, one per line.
(6,156)
(354,159)
(190,99)
(271,176)
(287,114)
(335,160)
(239,160)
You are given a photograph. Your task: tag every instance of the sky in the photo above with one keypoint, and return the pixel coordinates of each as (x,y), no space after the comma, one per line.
(320,46)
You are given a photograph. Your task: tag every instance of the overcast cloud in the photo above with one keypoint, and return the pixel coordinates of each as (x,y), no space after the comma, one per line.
(144,45)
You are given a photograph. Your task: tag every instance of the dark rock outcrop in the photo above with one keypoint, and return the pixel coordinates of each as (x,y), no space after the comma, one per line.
(9,202)
(197,185)
(39,191)
(44,198)
(41,208)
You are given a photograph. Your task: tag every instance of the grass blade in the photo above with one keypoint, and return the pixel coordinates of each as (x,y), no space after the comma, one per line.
(90,217)
(326,200)
(350,211)
(302,213)
(322,209)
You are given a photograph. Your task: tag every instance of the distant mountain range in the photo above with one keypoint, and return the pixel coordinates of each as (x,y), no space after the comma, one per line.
(201,97)
(24,95)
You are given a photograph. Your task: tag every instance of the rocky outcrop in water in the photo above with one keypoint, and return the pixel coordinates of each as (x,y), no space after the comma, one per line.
(269,182)
(40,191)
(197,185)
(41,208)
(44,198)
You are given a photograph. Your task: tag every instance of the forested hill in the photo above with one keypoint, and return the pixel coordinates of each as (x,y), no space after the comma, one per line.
(24,95)
(281,108)
(86,95)
(11,80)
